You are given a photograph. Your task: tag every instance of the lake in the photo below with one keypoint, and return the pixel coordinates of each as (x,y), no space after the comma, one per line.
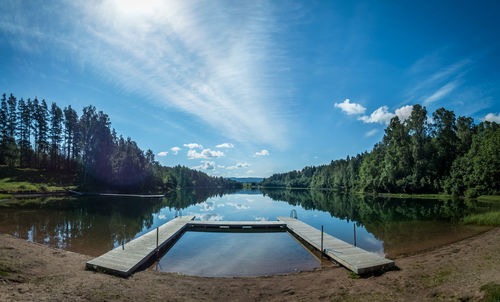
(386,226)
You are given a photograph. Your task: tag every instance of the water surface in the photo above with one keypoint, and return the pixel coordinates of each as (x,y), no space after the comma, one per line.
(94,225)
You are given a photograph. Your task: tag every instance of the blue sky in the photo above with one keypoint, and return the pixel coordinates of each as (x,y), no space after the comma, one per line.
(250,88)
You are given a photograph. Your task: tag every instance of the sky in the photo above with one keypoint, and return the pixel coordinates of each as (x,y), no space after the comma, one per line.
(252,88)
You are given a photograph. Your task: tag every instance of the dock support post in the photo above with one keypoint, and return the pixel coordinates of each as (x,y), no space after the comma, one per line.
(354,234)
(321,240)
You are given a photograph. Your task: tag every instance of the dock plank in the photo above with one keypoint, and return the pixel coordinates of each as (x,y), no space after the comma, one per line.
(124,261)
(351,257)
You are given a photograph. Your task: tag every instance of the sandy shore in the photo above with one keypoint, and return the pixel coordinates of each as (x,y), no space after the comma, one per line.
(33,272)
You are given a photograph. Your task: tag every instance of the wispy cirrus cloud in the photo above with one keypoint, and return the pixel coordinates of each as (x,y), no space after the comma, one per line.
(440,93)
(176,54)
(238,165)
(225,145)
(371,132)
(193,146)
(263,152)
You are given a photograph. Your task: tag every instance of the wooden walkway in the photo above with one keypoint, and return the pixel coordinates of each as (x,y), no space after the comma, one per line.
(125,260)
(349,256)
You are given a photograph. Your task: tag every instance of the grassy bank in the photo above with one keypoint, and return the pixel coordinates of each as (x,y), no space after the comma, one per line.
(27,180)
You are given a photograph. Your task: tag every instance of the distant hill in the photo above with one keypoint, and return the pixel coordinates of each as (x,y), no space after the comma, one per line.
(247,179)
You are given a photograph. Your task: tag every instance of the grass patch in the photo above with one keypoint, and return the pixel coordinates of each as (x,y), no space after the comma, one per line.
(27,180)
(489,198)
(488,219)
(491,292)
(414,196)
(353,275)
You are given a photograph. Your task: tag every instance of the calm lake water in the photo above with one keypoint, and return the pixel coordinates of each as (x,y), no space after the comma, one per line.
(94,225)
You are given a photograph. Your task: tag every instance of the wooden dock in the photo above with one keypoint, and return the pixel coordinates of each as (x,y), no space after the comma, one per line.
(125,260)
(349,256)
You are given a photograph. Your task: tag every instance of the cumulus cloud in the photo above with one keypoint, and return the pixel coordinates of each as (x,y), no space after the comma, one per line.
(225,145)
(491,117)
(371,132)
(250,171)
(175,150)
(381,115)
(193,146)
(263,152)
(206,165)
(205,153)
(350,108)
(238,165)
(163,153)
(404,112)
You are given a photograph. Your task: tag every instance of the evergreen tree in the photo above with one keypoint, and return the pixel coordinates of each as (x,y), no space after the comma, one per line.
(56,120)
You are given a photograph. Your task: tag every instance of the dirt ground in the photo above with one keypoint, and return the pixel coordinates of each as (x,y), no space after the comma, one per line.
(33,272)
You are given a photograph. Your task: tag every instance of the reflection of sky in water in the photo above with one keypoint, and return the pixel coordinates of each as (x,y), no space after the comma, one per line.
(263,208)
(236,254)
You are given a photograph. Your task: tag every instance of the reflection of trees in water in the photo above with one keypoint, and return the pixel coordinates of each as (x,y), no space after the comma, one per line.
(368,210)
(90,224)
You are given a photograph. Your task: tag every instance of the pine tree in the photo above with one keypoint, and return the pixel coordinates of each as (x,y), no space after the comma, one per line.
(56,119)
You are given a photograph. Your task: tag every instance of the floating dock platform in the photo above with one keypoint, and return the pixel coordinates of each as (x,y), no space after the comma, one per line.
(125,260)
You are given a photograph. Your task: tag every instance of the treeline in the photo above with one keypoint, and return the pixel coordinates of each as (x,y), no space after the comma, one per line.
(35,135)
(444,154)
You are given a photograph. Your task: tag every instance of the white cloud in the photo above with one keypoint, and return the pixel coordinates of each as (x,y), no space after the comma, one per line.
(371,132)
(250,171)
(221,166)
(175,150)
(261,218)
(209,217)
(163,153)
(441,93)
(264,152)
(381,115)
(350,108)
(238,165)
(225,145)
(205,153)
(238,206)
(491,117)
(404,112)
(193,146)
(206,165)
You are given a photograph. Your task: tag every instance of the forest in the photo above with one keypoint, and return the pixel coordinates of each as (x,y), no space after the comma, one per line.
(36,135)
(440,154)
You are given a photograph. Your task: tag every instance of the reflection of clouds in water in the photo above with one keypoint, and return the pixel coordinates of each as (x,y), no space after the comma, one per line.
(220,205)
(238,206)
(261,218)
(250,199)
(209,217)
(373,245)
(161,216)
(207,206)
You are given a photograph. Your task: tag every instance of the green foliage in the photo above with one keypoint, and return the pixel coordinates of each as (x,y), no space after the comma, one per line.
(489,219)
(448,155)
(491,292)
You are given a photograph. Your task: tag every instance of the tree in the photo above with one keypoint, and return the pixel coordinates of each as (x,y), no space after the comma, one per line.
(56,119)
